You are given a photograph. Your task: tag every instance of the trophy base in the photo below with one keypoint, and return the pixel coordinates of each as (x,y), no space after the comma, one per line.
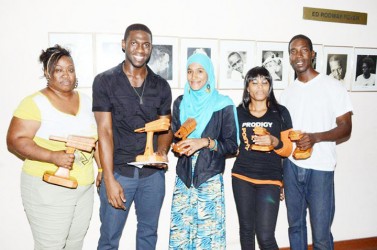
(60,181)
(295,135)
(149,158)
(262,148)
(302,154)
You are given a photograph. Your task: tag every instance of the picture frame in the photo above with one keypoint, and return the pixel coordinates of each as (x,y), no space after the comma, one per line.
(318,59)
(338,64)
(236,59)
(81,47)
(274,57)
(164,59)
(190,46)
(363,57)
(108,48)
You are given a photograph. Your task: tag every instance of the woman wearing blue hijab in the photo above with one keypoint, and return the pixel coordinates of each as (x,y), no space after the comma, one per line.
(198,207)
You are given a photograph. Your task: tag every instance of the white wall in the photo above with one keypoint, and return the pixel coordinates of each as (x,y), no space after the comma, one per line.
(24,32)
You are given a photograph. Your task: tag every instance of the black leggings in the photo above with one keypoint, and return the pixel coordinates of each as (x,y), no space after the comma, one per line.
(257,208)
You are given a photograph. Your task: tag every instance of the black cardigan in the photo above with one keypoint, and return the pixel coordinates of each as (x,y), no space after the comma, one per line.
(222,127)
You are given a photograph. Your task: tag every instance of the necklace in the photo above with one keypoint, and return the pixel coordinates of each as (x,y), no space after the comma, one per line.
(144,83)
(142,93)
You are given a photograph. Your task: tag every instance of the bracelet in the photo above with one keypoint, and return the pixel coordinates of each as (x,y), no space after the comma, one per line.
(100,170)
(214,146)
(209,142)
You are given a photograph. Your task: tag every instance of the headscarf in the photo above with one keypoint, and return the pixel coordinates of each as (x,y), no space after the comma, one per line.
(201,104)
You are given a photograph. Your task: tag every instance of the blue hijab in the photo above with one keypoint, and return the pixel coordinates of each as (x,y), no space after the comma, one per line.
(201,104)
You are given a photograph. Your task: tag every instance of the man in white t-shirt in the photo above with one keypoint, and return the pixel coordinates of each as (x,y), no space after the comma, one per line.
(321,108)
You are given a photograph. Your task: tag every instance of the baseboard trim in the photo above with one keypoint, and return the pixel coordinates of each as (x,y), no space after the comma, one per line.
(355,244)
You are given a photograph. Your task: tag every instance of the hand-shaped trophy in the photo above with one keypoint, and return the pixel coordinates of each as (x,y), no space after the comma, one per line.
(298,154)
(159,125)
(187,127)
(72,142)
(261,131)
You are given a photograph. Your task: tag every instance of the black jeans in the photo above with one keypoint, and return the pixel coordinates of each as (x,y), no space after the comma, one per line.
(257,208)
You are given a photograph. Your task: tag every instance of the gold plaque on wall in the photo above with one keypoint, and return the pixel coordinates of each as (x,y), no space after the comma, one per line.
(335,16)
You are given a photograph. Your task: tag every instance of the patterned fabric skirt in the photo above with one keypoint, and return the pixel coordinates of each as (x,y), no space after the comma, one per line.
(198,215)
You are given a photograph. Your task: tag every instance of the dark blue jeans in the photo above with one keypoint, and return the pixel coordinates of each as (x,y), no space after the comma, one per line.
(148,194)
(313,190)
(257,208)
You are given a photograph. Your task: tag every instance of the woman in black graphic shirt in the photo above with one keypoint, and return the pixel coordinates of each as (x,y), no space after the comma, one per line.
(257,175)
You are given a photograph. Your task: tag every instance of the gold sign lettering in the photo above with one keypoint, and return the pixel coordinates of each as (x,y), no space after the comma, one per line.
(335,16)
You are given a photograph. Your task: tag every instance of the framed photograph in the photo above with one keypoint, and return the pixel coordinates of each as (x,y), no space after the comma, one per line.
(191,46)
(236,58)
(275,58)
(81,47)
(339,64)
(108,51)
(318,58)
(365,70)
(164,59)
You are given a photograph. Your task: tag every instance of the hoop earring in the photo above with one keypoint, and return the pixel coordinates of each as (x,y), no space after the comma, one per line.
(77,83)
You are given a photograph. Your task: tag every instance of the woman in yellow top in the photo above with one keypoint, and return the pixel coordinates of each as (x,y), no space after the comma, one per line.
(59,216)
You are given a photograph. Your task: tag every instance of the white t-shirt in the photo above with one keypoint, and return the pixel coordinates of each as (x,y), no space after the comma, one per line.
(314,107)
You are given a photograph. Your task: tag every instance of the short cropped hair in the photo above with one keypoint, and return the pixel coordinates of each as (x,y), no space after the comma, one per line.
(300,36)
(136,26)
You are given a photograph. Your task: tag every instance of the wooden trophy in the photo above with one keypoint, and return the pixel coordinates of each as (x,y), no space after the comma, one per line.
(265,148)
(159,125)
(72,142)
(187,127)
(298,154)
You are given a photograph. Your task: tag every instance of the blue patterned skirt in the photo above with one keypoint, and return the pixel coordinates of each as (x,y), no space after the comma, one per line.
(198,215)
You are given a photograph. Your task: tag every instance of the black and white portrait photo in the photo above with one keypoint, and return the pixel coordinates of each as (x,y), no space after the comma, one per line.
(191,51)
(161,61)
(337,66)
(236,65)
(366,70)
(236,58)
(274,57)
(273,62)
(314,61)
(164,59)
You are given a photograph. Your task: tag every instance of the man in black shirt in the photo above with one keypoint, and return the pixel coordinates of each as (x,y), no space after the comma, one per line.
(125,98)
